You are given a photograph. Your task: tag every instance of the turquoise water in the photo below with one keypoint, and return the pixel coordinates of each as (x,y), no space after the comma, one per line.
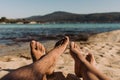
(9,32)
(79,25)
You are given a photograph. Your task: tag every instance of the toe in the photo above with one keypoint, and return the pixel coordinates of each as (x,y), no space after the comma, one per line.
(90,58)
(38,46)
(33,44)
(63,41)
(43,49)
(72,45)
(66,39)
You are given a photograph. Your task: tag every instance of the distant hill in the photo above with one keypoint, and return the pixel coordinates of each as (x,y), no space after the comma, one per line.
(64,17)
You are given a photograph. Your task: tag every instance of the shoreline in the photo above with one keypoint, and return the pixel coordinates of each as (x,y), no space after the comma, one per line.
(104,46)
(23,43)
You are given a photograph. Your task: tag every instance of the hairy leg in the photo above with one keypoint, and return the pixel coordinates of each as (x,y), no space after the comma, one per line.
(27,72)
(49,60)
(24,73)
(38,51)
(38,69)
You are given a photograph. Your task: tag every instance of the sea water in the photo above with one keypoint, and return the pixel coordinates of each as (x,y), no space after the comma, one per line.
(8,32)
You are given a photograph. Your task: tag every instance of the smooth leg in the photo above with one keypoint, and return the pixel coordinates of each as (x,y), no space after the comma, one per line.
(89,71)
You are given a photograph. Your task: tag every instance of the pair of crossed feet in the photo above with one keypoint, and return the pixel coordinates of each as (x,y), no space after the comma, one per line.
(38,52)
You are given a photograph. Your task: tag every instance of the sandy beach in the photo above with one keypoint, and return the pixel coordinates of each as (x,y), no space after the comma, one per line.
(104,46)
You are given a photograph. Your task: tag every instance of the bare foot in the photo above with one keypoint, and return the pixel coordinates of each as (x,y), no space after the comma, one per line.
(45,64)
(37,50)
(61,43)
(74,48)
(60,46)
(80,69)
(90,58)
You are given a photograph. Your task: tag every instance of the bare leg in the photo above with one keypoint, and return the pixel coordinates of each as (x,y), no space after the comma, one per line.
(88,67)
(48,60)
(80,69)
(90,58)
(38,69)
(78,66)
(38,50)
(26,73)
(52,68)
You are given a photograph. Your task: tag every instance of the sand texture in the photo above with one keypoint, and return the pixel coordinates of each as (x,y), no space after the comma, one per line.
(104,46)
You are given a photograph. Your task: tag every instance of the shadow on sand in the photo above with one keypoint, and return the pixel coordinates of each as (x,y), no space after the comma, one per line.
(60,76)
(9,70)
(54,76)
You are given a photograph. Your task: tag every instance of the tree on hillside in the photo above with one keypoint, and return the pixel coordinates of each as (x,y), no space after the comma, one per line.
(3,19)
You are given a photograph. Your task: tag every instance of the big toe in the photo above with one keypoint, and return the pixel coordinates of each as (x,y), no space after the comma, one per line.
(72,44)
(63,41)
(66,40)
(90,58)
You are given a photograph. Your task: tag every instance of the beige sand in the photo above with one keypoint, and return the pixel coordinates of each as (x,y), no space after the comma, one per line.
(105,47)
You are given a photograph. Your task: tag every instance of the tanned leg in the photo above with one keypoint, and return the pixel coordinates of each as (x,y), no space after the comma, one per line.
(81,69)
(90,58)
(38,51)
(88,68)
(38,69)
(27,72)
(49,60)
(78,66)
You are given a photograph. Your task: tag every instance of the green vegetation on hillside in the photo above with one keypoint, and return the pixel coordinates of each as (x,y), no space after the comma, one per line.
(65,17)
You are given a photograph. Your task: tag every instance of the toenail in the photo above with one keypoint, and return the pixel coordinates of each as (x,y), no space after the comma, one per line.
(33,41)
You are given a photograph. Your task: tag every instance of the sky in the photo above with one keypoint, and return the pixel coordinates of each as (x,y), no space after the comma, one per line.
(27,8)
